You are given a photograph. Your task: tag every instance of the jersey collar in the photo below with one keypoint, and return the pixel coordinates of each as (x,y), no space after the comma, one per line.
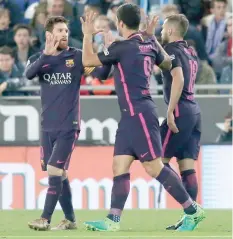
(136,35)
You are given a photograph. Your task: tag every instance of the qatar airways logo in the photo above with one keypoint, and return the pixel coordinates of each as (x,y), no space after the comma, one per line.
(58,78)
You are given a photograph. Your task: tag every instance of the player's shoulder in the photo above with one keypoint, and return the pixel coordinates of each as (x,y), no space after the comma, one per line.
(172,47)
(118,44)
(36,55)
(74,51)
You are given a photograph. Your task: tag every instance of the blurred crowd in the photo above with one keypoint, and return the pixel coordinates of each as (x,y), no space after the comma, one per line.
(22,35)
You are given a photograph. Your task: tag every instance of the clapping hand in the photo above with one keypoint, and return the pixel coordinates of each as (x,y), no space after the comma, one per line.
(50,44)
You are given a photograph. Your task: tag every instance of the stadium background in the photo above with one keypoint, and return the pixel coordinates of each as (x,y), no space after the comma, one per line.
(23,185)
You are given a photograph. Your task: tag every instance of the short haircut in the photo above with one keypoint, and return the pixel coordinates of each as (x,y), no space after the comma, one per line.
(130,15)
(22,26)
(51,21)
(214,1)
(181,21)
(4,11)
(170,8)
(5,50)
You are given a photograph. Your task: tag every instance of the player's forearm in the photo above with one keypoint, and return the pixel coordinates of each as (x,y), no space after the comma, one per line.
(166,64)
(89,58)
(102,73)
(176,91)
(34,68)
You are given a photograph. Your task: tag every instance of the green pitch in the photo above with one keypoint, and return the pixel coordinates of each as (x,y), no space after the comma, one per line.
(136,224)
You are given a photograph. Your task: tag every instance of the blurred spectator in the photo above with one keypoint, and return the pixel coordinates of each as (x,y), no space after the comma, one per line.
(205,76)
(16,14)
(222,58)
(226,134)
(102,23)
(37,25)
(92,7)
(113,9)
(55,8)
(23,49)
(23,5)
(192,33)
(192,9)
(11,77)
(6,33)
(216,28)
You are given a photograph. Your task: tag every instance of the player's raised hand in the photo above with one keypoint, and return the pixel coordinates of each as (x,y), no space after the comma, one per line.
(88,24)
(171,122)
(152,24)
(108,38)
(50,44)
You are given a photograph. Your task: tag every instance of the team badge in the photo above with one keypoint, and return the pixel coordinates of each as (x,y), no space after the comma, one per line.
(70,63)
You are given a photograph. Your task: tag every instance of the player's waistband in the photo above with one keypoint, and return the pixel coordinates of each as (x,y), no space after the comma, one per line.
(137,111)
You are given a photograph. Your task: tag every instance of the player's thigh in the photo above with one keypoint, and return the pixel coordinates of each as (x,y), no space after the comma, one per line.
(46,148)
(121,164)
(192,148)
(123,144)
(173,144)
(145,136)
(63,147)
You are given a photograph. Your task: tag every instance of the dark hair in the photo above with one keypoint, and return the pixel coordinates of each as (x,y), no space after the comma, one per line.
(51,21)
(22,26)
(181,21)
(214,1)
(130,15)
(5,50)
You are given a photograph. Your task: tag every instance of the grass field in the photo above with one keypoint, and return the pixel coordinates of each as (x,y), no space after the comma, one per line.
(143,224)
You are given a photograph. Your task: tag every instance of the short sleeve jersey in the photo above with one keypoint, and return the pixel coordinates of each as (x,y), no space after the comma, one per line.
(133,61)
(185,57)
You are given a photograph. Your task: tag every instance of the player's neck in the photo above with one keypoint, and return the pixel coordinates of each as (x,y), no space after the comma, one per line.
(129,33)
(175,39)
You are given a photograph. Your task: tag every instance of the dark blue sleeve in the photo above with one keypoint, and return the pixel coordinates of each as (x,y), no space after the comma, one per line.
(34,65)
(102,72)
(111,55)
(175,57)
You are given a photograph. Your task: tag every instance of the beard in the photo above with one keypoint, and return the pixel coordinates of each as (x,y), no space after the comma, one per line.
(165,40)
(62,45)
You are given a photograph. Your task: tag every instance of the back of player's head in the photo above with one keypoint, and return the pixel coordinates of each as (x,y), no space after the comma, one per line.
(130,15)
(5,50)
(51,21)
(180,21)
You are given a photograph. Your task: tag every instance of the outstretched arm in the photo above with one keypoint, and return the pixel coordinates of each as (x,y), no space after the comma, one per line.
(89,58)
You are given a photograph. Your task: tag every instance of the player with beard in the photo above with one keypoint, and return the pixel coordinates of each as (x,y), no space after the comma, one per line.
(181,130)
(59,69)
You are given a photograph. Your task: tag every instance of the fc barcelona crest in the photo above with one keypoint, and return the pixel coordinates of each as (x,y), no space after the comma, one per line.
(70,63)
